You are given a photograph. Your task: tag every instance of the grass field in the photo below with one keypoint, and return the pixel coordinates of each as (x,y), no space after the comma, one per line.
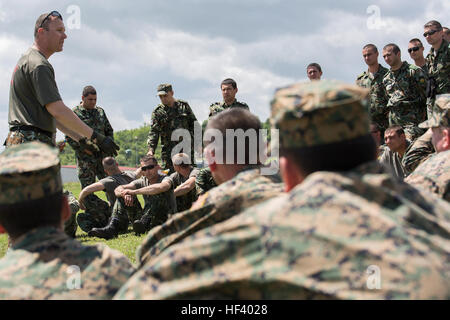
(126,243)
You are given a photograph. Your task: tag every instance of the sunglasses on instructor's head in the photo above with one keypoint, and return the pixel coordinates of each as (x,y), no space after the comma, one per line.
(413,49)
(53,14)
(430,33)
(149,167)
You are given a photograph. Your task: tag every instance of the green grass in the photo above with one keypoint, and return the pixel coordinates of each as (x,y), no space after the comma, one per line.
(126,243)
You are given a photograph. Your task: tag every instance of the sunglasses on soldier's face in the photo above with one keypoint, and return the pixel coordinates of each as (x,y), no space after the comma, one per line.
(430,33)
(413,49)
(149,167)
(53,14)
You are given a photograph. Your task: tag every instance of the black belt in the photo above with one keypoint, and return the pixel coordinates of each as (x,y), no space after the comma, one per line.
(31,128)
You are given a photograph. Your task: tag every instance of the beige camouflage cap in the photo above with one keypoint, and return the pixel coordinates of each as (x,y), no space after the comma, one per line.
(181,158)
(29,171)
(163,89)
(319,112)
(441,118)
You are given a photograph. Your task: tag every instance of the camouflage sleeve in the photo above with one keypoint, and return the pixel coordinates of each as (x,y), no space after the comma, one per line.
(418,152)
(421,82)
(109,131)
(155,131)
(75,145)
(204,182)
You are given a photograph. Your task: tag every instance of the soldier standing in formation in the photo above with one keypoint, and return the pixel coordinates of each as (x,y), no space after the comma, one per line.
(43,262)
(89,162)
(169,115)
(372,79)
(405,86)
(415,50)
(229,90)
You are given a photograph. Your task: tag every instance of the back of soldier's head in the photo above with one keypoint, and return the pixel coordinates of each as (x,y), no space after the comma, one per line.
(236,133)
(30,188)
(323,126)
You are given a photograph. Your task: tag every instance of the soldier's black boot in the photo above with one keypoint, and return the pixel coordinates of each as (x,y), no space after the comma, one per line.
(143,225)
(108,232)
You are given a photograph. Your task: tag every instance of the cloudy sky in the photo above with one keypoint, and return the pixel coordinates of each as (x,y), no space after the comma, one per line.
(125,49)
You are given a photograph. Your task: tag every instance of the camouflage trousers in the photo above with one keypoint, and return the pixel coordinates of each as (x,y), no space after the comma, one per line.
(97,211)
(126,214)
(22,136)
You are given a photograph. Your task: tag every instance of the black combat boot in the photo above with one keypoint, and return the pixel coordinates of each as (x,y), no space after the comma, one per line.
(108,232)
(142,225)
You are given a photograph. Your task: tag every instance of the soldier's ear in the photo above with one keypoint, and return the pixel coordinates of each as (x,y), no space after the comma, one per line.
(2,230)
(290,173)
(65,210)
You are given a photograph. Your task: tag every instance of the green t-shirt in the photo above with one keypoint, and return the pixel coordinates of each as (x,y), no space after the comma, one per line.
(33,86)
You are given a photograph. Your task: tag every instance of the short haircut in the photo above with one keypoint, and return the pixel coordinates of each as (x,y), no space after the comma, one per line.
(314,65)
(149,157)
(329,157)
(395,48)
(416,40)
(396,128)
(20,218)
(237,119)
(371,46)
(45,24)
(229,81)
(109,162)
(89,90)
(433,23)
(181,160)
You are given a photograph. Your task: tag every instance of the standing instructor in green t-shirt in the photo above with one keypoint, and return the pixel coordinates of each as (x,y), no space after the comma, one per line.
(35,106)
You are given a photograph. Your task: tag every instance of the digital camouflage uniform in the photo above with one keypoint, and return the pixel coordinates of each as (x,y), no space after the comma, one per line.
(377,96)
(423,148)
(332,236)
(184,202)
(90,166)
(204,181)
(164,121)
(244,190)
(45,263)
(405,89)
(217,107)
(439,70)
(434,174)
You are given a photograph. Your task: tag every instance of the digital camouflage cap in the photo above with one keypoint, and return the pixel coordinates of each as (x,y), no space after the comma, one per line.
(164,89)
(319,112)
(439,119)
(29,171)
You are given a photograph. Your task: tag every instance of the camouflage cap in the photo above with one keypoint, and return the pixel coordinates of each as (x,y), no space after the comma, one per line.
(181,158)
(29,171)
(163,89)
(441,118)
(319,112)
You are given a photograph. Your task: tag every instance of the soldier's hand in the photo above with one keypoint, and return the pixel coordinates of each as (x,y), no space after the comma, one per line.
(106,144)
(128,200)
(82,207)
(87,145)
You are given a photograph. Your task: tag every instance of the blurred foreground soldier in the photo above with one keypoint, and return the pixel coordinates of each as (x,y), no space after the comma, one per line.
(314,71)
(158,196)
(229,89)
(43,262)
(204,181)
(438,63)
(240,184)
(405,86)
(96,223)
(89,162)
(346,229)
(396,147)
(434,174)
(183,181)
(169,115)
(372,79)
(415,50)
(35,105)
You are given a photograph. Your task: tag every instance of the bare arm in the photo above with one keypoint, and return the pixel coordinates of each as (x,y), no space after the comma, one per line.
(120,190)
(152,189)
(185,187)
(67,121)
(89,190)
